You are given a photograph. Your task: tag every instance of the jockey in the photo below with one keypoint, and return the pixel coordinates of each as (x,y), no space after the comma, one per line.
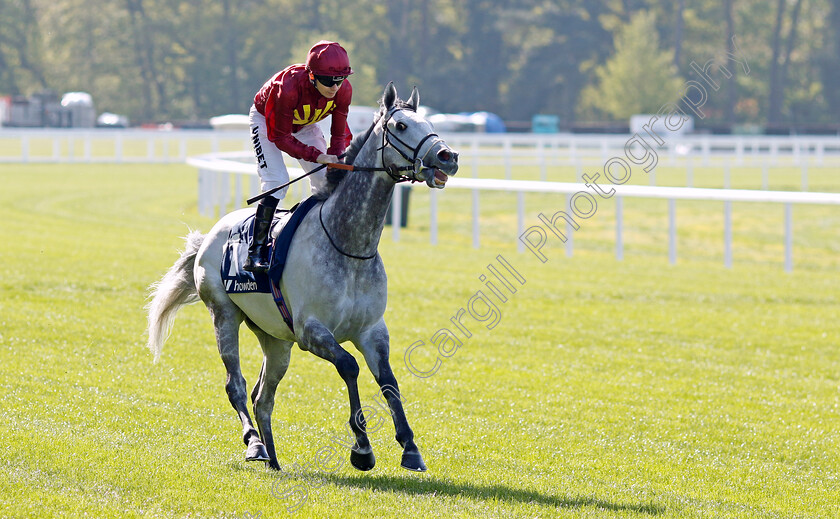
(283,118)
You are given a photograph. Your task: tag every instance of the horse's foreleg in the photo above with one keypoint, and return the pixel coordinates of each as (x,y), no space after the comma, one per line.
(316,338)
(375,346)
(275,363)
(226,321)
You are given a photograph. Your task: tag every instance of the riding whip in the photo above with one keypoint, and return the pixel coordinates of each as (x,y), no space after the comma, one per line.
(278,188)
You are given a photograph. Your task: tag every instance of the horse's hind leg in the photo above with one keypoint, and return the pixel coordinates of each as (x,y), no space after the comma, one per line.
(375,345)
(226,320)
(276,354)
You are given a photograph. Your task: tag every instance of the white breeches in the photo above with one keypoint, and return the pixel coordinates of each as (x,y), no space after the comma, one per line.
(271,165)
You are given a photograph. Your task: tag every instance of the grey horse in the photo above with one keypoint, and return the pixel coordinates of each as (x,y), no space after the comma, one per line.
(334,283)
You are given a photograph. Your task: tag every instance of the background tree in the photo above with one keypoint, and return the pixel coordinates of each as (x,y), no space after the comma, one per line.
(679,23)
(731,86)
(781,59)
(171,60)
(422,47)
(554,47)
(20,49)
(639,78)
(480,74)
(829,59)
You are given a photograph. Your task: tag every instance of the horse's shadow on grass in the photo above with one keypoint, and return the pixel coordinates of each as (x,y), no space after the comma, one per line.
(430,485)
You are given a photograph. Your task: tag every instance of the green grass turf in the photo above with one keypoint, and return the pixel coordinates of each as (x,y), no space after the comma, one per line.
(607,388)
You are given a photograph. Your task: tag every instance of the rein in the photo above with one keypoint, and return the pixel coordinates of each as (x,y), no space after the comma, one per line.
(324,227)
(393,171)
(416,163)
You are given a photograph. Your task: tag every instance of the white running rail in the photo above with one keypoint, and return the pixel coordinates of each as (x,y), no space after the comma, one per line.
(215,196)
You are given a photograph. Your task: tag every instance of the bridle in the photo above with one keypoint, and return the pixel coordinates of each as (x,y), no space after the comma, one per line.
(416,165)
(416,161)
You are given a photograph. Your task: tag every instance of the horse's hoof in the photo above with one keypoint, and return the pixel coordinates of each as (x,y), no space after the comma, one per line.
(256,452)
(413,461)
(363,462)
(273,465)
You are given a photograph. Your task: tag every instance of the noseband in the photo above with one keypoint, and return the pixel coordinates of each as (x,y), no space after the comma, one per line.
(417,166)
(417,162)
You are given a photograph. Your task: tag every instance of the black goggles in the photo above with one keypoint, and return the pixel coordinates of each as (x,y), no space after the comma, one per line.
(329,81)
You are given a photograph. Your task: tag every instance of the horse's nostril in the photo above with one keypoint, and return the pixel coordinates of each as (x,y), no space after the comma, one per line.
(444,155)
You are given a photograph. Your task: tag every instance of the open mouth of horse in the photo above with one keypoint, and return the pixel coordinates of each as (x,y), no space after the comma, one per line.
(440,178)
(436,178)
(443,166)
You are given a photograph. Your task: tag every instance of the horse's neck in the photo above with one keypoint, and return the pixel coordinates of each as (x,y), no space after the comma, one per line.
(354,214)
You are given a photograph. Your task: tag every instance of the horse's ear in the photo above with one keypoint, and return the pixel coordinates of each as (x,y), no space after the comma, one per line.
(389,96)
(414,100)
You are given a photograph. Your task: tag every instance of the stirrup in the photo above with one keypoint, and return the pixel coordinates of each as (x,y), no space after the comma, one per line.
(256,263)
(258,252)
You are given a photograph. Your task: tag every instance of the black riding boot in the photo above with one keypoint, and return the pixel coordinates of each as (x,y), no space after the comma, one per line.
(258,251)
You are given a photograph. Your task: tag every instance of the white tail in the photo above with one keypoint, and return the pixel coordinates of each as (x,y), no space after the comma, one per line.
(174,290)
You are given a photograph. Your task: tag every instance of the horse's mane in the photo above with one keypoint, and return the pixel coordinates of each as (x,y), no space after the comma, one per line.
(335,176)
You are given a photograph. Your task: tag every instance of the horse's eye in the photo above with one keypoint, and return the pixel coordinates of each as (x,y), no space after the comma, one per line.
(401,126)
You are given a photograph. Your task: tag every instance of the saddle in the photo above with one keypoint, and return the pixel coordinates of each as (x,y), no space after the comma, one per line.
(238,280)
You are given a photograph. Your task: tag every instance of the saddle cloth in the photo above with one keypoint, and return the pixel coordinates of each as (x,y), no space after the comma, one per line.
(238,280)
